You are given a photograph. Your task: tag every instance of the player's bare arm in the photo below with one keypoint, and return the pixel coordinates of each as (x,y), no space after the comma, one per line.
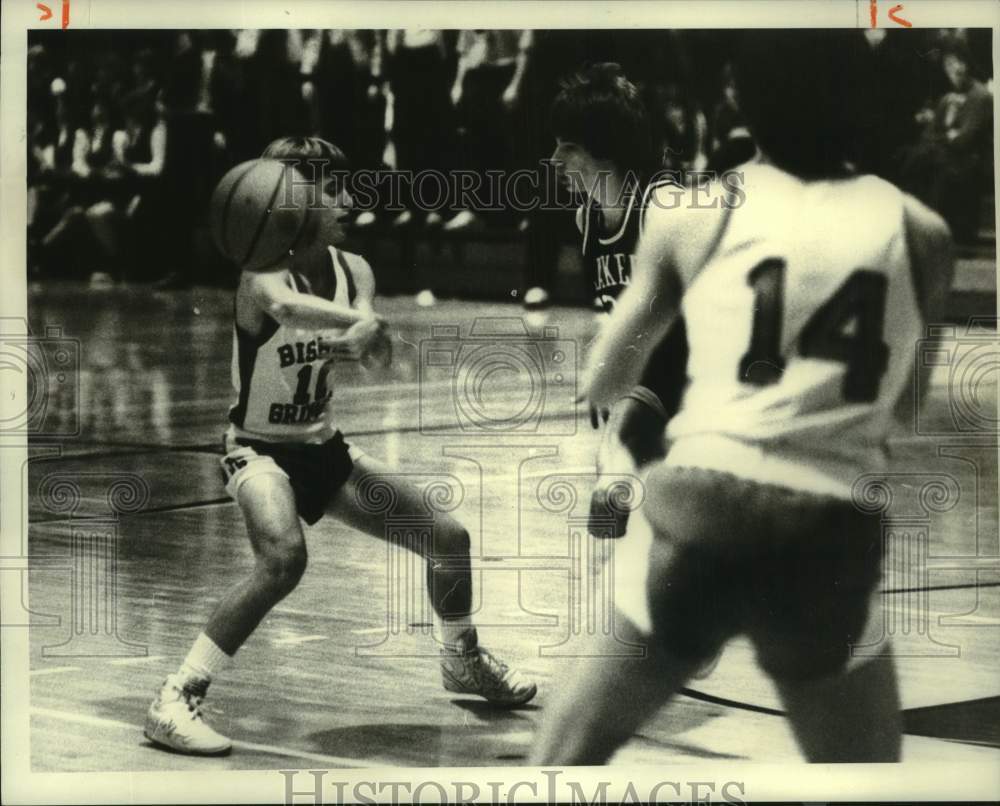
(932,257)
(270,294)
(364,282)
(932,261)
(361,337)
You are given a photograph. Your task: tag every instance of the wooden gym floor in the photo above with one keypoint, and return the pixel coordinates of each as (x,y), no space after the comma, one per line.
(336,676)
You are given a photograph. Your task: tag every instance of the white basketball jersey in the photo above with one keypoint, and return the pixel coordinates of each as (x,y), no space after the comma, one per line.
(284,377)
(802,327)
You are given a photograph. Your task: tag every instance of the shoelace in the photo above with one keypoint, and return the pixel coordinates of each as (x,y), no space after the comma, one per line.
(495,665)
(194,706)
(194,698)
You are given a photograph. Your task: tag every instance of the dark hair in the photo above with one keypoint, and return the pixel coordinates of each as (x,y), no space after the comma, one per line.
(599,108)
(803,93)
(299,151)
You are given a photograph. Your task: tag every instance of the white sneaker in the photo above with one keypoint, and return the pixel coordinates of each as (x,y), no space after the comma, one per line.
(425,299)
(536,297)
(174,720)
(471,669)
(365,219)
(462,220)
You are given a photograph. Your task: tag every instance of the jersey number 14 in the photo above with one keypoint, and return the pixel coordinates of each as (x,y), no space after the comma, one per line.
(861,298)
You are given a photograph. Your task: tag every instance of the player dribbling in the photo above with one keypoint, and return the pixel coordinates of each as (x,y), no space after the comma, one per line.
(285,460)
(803,306)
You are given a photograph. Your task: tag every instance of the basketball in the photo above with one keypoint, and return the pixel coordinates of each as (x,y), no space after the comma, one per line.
(259,214)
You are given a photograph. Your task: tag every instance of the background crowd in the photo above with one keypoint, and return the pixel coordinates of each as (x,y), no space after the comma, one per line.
(128,132)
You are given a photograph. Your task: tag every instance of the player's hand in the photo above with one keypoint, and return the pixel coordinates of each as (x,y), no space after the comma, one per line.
(598,414)
(456,94)
(355,341)
(598,394)
(379,352)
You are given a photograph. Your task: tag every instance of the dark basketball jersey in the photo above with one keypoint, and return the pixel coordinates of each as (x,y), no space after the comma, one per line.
(609,258)
(608,264)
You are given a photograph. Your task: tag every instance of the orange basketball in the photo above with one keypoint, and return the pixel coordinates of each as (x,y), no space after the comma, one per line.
(260,214)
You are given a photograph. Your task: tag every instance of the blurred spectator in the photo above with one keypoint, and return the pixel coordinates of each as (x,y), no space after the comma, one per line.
(191,167)
(486,90)
(555,54)
(120,189)
(92,154)
(681,129)
(144,81)
(423,120)
(890,104)
(950,167)
(109,75)
(275,85)
(342,77)
(55,219)
(731,141)
(140,154)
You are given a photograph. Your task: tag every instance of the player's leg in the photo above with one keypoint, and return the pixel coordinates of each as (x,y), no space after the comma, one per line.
(605,698)
(466,666)
(268,504)
(821,597)
(449,574)
(609,695)
(851,717)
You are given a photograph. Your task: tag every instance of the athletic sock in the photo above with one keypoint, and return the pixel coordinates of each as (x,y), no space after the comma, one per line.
(204,661)
(450,631)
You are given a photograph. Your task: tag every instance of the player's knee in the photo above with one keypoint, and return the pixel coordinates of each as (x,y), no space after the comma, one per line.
(283,568)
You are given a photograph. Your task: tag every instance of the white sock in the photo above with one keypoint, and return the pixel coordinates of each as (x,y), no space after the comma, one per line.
(204,660)
(449,630)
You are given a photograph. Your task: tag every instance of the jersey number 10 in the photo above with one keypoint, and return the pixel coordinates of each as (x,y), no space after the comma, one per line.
(301,397)
(861,298)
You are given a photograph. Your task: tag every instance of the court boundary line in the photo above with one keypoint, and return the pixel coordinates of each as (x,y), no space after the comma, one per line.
(929,588)
(151,511)
(702,696)
(276,750)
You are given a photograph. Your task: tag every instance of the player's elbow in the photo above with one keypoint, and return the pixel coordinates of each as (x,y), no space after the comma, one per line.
(280,310)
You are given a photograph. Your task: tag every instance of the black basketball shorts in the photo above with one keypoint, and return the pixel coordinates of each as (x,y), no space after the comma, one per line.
(794,571)
(315,472)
